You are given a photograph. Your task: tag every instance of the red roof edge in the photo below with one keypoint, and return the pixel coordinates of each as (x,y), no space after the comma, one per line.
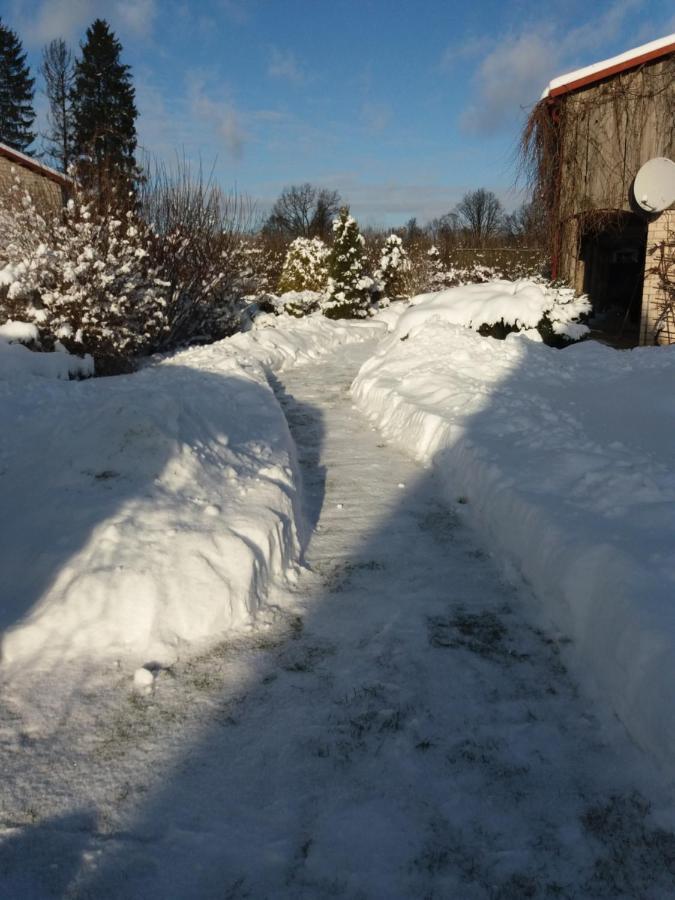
(613,70)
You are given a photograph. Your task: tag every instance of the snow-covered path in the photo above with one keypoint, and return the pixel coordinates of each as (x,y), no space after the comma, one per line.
(398,729)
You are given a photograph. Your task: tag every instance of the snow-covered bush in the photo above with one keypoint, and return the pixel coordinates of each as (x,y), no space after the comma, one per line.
(349,288)
(393,268)
(499,308)
(305,267)
(437,274)
(298,303)
(85,276)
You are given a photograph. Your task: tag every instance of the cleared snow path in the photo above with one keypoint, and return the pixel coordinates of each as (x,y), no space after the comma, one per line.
(397,728)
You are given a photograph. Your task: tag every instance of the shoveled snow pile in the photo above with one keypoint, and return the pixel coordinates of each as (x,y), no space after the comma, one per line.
(521,303)
(149,512)
(279,342)
(566,459)
(18,363)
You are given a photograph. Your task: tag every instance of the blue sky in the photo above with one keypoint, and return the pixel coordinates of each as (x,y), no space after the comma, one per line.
(402,106)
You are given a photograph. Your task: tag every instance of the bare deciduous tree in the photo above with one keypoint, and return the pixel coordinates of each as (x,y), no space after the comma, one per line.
(57,71)
(527,224)
(481,214)
(303,211)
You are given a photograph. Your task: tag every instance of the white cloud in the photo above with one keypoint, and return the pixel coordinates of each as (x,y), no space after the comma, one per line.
(219,114)
(137,16)
(514,70)
(510,76)
(283,64)
(52,19)
(45,20)
(468,48)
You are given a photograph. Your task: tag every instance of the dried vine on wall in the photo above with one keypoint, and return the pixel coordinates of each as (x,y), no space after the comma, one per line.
(581,151)
(662,266)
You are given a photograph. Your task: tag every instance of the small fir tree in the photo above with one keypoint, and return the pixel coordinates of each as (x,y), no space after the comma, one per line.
(16,93)
(58,74)
(305,266)
(348,287)
(393,268)
(104,111)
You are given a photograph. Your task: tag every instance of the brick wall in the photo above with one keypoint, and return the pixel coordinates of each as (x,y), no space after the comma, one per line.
(658,316)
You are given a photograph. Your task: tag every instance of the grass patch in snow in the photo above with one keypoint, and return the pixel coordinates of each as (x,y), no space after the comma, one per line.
(340,577)
(634,852)
(482,633)
(441,521)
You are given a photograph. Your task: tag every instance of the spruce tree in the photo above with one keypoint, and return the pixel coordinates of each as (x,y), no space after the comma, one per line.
(104,111)
(348,286)
(16,93)
(393,269)
(58,74)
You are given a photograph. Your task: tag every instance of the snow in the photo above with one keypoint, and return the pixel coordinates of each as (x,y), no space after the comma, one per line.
(19,364)
(567,461)
(522,303)
(166,503)
(397,726)
(597,68)
(143,679)
(298,302)
(21,332)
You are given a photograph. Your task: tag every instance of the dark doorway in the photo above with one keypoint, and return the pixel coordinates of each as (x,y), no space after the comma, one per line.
(614,262)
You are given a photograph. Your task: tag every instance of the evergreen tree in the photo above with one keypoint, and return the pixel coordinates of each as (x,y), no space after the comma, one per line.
(393,267)
(58,73)
(348,287)
(16,93)
(104,111)
(304,266)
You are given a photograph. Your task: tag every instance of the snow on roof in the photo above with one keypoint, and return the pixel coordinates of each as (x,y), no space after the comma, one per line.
(33,164)
(580,77)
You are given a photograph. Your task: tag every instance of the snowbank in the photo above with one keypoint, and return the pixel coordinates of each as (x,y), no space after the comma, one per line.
(150,512)
(280,342)
(522,303)
(18,363)
(21,332)
(567,460)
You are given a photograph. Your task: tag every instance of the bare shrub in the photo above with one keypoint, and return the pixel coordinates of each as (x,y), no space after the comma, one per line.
(198,249)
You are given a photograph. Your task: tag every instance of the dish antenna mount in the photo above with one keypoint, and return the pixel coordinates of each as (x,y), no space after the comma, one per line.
(654,185)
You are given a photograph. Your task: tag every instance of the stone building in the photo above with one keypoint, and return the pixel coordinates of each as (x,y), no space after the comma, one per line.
(585,141)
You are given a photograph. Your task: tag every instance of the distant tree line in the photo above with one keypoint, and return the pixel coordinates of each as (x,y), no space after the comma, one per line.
(91,117)
(478,221)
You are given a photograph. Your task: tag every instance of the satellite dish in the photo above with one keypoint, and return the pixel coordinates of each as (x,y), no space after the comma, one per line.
(654,185)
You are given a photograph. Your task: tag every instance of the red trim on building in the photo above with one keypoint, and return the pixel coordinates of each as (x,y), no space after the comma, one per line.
(613,70)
